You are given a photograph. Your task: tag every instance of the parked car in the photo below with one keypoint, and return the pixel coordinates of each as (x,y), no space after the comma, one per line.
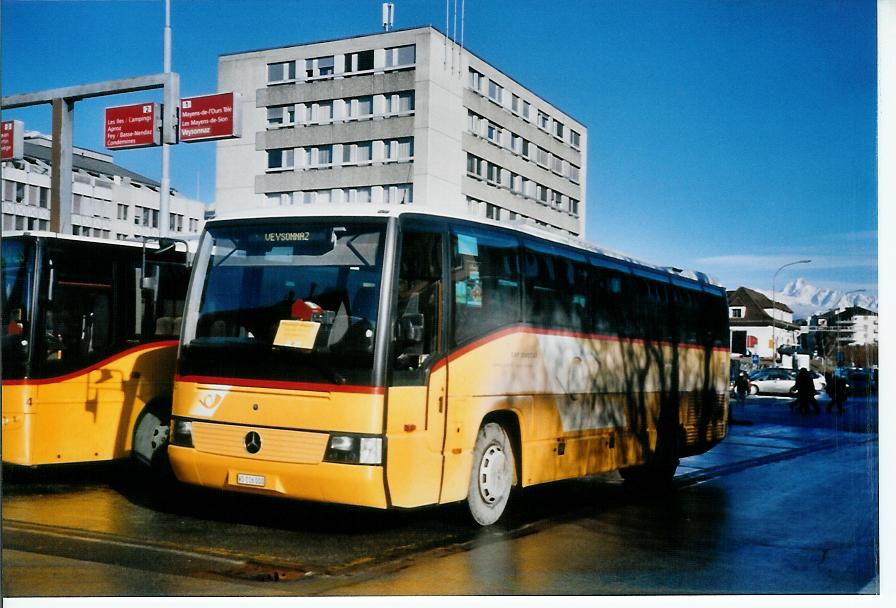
(780,381)
(772,381)
(861,381)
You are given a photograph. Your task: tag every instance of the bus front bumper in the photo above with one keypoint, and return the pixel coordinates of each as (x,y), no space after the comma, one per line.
(349,484)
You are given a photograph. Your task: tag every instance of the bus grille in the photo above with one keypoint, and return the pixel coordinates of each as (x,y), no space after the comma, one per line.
(277,445)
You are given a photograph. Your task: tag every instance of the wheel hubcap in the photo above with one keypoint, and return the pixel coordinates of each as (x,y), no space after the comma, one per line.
(493,474)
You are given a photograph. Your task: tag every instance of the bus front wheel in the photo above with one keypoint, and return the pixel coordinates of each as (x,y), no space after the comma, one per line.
(492,475)
(150,446)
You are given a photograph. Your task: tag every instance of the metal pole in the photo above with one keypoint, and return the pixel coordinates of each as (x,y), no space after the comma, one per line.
(165,188)
(61,171)
(774,338)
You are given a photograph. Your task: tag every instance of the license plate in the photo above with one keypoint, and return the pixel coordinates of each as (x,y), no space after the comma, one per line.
(245,479)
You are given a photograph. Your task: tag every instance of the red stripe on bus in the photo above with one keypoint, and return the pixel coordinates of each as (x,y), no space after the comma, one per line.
(95,366)
(525,329)
(284,384)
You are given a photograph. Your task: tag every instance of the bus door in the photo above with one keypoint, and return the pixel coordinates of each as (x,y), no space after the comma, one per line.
(417,403)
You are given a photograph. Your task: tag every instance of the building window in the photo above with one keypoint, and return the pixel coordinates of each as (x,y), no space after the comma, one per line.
(401,56)
(122,211)
(322,112)
(492,212)
(175,222)
(474,165)
(493,133)
(476,80)
(401,194)
(541,193)
(557,165)
(362,107)
(361,61)
(542,156)
(527,110)
(573,173)
(194,224)
(285,71)
(515,103)
(281,116)
(558,129)
(20,192)
(279,160)
(574,138)
(493,173)
(319,67)
(495,91)
(400,149)
(400,103)
(543,120)
(737,313)
(516,143)
(44,201)
(557,200)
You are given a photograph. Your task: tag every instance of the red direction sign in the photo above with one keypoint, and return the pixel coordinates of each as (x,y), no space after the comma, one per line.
(12,139)
(134,126)
(209,117)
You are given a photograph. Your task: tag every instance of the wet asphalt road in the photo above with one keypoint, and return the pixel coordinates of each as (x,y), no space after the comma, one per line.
(786,504)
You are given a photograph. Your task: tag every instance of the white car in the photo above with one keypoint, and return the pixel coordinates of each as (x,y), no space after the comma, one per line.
(780,381)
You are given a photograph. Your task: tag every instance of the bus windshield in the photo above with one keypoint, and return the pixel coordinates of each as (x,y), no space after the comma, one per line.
(287,301)
(18,276)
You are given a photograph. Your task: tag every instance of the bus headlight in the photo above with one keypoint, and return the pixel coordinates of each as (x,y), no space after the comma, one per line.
(354,449)
(181,433)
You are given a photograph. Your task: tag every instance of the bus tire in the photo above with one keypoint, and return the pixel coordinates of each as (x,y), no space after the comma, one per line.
(150,442)
(492,474)
(654,476)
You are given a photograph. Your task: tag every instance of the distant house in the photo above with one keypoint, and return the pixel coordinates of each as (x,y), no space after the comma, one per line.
(752,317)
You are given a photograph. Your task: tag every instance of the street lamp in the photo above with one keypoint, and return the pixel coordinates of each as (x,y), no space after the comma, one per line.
(775,276)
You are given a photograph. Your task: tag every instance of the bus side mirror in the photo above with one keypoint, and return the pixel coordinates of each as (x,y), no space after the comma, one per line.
(410,327)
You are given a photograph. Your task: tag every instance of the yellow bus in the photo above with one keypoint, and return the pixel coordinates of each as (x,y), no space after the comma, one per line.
(398,359)
(89,330)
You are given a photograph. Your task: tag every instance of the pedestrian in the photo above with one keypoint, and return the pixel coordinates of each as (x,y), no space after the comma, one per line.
(741,387)
(837,389)
(805,392)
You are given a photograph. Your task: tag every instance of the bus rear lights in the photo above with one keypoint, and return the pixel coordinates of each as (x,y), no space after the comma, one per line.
(353,449)
(182,433)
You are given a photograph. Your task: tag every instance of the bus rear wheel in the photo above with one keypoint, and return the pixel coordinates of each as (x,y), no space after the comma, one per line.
(653,476)
(492,475)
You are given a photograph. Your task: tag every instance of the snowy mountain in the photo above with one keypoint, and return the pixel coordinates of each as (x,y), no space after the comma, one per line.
(805,299)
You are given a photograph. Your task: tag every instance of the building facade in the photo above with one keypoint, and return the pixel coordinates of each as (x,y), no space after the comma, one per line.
(403,117)
(109,201)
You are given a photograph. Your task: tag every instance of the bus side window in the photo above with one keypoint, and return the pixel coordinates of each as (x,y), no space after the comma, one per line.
(161,300)
(78,325)
(485,283)
(418,315)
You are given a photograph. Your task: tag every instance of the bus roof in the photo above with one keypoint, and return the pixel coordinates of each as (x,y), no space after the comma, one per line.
(190,241)
(369,211)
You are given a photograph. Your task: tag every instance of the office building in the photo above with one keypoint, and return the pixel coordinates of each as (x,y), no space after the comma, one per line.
(401,117)
(108,201)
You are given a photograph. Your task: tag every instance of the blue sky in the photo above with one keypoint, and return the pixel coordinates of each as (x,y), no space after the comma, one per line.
(730,137)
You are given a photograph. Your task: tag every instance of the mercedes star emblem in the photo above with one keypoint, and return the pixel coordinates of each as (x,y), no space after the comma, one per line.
(253,442)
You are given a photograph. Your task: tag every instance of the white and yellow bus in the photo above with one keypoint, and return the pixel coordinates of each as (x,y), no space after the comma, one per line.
(89,329)
(401,359)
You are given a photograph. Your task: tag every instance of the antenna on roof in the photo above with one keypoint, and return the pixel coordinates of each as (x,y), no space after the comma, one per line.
(388,15)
